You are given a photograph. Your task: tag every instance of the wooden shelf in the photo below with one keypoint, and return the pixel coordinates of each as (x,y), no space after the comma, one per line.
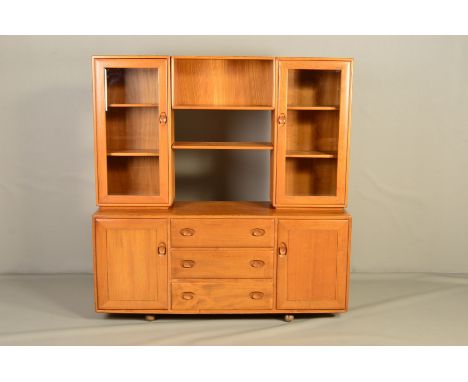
(309,154)
(221,107)
(133,105)
(133,153)
(222,146)
(313,108)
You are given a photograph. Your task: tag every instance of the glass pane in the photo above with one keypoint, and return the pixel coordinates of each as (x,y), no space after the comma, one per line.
(311,176)
(132,86)
(132,128)
(312,132)
(313,87)
(132,131)
(133,175)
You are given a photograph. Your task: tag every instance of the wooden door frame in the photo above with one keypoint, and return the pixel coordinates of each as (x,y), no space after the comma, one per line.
(165,131)
(101,286)
(343,228)
(340,200)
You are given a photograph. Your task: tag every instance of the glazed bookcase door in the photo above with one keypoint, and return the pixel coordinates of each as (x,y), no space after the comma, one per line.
(312,264)
(132,131)
(312,130)
(131,263)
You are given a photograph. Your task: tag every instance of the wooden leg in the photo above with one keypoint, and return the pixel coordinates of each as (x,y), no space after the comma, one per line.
(288,317)
(150,317)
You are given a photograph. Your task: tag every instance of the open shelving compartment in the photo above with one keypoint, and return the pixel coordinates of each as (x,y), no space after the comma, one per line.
(132,131)
(222,155)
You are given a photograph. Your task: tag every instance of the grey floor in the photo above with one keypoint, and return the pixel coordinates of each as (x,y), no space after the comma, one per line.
(385,309)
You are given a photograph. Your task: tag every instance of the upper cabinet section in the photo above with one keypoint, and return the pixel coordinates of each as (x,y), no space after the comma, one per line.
(138,99)
(312,132)
(131,124)
(223,83)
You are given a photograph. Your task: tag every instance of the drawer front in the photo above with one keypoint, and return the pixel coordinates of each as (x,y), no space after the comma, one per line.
(222,294)
(235,233)
(249,264)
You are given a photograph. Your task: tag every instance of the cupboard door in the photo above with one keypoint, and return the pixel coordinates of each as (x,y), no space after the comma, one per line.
(312,131)
(312,264)
(131,263)
(132,130)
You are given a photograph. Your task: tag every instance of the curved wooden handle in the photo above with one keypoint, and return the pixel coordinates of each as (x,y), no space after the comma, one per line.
(256,295)
(257,232)
(187,263)
(281,119)
(282,249)
(257,263)
(187,232)
(188,295)
(162,249)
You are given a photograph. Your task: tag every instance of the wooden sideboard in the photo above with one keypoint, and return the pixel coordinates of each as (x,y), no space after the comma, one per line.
(154,254)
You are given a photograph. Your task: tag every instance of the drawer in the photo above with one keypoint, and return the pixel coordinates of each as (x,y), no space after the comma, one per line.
(222,294)
(235,233)
(211,264)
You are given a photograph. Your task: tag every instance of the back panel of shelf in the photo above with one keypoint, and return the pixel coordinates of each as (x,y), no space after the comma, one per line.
(218,83)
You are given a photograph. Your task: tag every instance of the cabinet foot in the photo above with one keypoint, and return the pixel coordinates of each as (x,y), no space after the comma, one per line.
(150,317)
(288,317)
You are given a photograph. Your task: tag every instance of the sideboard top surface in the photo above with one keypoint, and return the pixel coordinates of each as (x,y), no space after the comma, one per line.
(220,209)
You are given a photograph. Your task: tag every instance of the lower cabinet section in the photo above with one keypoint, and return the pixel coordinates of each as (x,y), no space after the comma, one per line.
(303,267)
(222,294)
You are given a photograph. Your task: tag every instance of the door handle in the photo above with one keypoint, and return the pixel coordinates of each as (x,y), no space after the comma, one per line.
(163,118)
(162,250)
(281,119)
(282,249)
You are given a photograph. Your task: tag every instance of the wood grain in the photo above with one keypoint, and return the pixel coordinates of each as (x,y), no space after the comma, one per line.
(222,82)
(133,175)
(132,105)
(219,233)
(126,180)
(132,86)
(312,273)
(222,294)
(308,180)
(132,129)
(222,146)
(308,87)
(130,273)
(221,257)
(312,131)
(222,210)
(309,154)
(309,176)
(217,263)
(133,153)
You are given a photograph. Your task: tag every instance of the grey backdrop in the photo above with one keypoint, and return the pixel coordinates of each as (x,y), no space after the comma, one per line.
(409,152)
